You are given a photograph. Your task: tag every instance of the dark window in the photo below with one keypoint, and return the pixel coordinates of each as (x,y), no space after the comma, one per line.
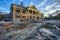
(34,12)
(18,16)
(30,17)
(38,18)
(17,10)
(33,17)
(0,33)
(30,11)
(6,20)
(21,20)
(23,17)
(23,11)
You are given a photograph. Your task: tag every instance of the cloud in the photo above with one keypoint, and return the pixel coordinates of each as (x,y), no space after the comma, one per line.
(46,13)
(50,6)
(32,2)
(3,9)
(56,1)
(57,6)
(43,2)
(51,11)
(7,11)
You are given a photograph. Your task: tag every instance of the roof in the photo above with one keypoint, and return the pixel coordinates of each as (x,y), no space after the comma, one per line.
(32,7)
(18,6)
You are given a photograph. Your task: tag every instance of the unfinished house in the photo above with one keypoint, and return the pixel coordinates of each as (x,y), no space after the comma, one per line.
(22,13)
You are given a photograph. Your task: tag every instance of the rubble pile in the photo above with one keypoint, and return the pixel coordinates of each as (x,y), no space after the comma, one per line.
(35,31)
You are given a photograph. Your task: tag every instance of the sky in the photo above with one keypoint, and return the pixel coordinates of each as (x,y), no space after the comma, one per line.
(45,6)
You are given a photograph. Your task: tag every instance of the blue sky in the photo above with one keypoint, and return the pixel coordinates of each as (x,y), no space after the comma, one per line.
(45,6)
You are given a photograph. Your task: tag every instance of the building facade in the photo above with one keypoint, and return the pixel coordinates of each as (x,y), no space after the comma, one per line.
(19,12)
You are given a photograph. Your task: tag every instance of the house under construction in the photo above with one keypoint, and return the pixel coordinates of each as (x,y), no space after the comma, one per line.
(19,12)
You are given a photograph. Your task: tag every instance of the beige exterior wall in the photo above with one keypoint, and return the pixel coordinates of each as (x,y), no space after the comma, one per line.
(34,14)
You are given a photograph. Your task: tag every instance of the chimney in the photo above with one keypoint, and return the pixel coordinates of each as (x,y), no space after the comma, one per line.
(21,3)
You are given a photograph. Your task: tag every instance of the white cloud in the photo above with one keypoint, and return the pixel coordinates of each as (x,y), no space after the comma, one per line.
(53,4)
(50,12)
(57,6)
(50,6)
(46,15)
(43,2)
(7,11)
(31,3)
(48,9)
(3,9)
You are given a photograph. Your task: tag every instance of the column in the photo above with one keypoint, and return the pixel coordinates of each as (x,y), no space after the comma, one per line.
(14,13)
(32,14)
(35,15)
(28,14)
(21,12)
(39,16)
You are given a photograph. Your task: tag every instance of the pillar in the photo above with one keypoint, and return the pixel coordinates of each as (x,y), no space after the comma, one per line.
(35,15)
(32,14)
(28,14)
(21,13)
(14,13)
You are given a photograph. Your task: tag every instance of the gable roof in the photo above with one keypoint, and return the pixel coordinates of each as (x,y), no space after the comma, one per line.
(18,6)
(32,7)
